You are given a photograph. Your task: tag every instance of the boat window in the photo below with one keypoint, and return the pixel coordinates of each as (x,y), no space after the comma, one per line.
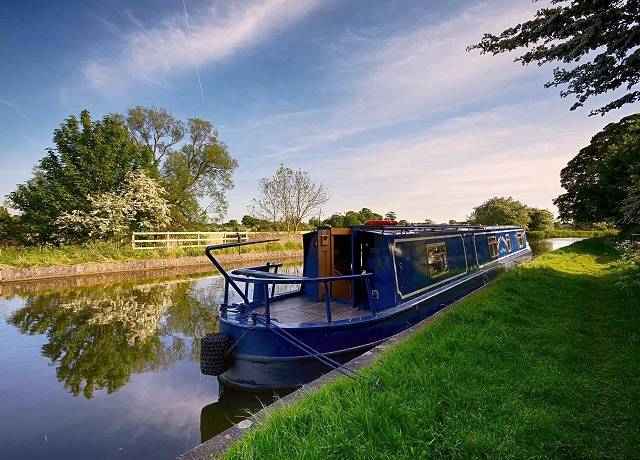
(520,240)
(507,240)
(437,259)
(493,246)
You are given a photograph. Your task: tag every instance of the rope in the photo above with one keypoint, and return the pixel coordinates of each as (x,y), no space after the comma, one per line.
(323,358)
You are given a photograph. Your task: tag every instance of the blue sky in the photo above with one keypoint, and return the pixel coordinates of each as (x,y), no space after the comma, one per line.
(379,99)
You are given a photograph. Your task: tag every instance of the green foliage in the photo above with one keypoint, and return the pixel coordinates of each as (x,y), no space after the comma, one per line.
(202,168)
(10,232)
(628,267)
(598,179)
(542,363)
(89,157)
(630,206)
(570,233)
(352,218)
(391,215)
(500,211)
(540,219)
(597,41)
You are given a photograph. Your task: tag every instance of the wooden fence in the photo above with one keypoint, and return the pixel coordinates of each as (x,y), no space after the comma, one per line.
(154,240)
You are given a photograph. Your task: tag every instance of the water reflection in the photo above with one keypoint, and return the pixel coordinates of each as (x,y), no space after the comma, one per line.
(113,369)
(96,338)
(551,244)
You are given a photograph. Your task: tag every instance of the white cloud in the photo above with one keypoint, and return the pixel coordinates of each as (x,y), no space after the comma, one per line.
(413,74)
(444,172)
(154,54)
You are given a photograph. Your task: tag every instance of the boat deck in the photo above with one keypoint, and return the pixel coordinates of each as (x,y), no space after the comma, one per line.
(301,309)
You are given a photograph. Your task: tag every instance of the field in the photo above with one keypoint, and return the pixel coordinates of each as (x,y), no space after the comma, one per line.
(545,362)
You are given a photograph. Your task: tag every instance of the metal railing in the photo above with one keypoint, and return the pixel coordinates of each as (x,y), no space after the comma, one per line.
(154,240)
(267,279)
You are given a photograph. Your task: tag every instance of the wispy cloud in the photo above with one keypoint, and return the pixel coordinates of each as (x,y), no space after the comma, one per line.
(385,81)
(516,150)
(14,107)
(154,54)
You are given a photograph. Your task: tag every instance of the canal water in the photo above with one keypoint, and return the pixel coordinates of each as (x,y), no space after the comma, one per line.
(112,370)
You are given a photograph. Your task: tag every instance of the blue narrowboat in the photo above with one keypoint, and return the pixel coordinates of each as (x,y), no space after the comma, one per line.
(359,286)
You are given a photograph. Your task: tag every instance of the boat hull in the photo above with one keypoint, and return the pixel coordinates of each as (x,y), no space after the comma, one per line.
(263,360)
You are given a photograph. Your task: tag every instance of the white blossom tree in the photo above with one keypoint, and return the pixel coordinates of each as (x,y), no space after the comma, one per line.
(140,205)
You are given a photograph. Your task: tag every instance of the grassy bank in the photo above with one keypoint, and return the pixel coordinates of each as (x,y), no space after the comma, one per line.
(544,234)
(545,362)
(110,252)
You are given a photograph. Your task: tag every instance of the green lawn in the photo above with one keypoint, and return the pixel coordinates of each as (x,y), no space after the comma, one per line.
(545,362)
(110,252)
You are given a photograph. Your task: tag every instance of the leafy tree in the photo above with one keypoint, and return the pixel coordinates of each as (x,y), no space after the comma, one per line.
(598,178)
(140,206)
(155,128)
(352,218)
(540,219)
(500,211)
(391,215)
(597,41)
(90,157)
(9,227)
(202,168)
(630,206)
(429,221)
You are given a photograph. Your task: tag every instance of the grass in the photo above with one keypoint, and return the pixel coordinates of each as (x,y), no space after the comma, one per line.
(544,234)
(545,362)
(111,252)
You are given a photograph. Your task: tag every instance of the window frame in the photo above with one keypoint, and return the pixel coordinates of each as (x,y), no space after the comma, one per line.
(507,240)
(443,255)
(493,241)
(520,239)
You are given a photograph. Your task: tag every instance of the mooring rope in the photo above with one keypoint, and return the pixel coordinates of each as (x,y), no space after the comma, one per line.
(323,358)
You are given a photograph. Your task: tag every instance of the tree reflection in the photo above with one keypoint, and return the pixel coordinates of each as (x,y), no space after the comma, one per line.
(98,337)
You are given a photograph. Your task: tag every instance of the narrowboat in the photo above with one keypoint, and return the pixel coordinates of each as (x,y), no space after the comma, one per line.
(359,286)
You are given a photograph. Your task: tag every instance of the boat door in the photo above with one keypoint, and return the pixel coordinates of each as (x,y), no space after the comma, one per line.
(334,259)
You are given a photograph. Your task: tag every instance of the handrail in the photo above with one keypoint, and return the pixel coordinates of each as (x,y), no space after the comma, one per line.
(222,271)
(296,280)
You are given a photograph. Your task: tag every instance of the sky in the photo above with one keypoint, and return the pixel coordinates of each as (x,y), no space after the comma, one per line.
(378,99)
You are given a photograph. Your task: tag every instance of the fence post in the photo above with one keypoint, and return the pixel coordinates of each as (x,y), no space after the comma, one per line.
(167,240)
(133,240)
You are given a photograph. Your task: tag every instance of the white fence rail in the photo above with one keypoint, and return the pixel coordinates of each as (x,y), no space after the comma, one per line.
(154,240)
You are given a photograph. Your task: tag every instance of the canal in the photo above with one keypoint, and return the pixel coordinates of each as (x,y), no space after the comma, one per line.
(112,370)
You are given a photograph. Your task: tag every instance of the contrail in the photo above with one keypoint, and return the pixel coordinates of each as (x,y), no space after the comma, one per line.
(195,60)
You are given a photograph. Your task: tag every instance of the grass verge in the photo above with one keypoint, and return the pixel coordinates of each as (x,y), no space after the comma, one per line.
(111,252)
(545,362)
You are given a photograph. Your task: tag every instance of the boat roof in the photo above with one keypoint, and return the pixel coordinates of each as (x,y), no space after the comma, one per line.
(429,228)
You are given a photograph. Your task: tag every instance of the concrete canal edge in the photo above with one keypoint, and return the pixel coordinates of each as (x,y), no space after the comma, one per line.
(13,274)
(217,445)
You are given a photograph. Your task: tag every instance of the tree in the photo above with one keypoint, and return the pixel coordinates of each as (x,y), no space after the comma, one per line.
(630,206)
(429,221)
(500,211)
(391,215)
(202,168)
(140,206)
(90,157)
(596,40)
(155,128)
(291,196)
(597,180)
(540,219)
(9,227)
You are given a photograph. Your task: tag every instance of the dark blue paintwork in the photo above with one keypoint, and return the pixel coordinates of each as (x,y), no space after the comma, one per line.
(401,293)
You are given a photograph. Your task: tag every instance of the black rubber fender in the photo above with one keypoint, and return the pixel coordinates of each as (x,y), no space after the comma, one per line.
(215,358)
